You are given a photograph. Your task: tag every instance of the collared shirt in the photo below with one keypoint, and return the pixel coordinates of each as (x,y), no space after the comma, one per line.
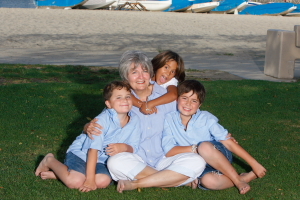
(173,81)
(150,149)
(203,126)
(112,133)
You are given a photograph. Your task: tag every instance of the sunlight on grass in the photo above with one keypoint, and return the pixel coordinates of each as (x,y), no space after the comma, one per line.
(46,112)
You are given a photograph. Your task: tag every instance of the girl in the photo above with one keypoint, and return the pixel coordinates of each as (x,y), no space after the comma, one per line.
(168,69)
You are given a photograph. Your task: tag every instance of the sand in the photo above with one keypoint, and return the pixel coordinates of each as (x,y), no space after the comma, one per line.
(36,33)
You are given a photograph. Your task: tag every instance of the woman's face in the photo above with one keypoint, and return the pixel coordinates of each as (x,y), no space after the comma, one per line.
(138,78)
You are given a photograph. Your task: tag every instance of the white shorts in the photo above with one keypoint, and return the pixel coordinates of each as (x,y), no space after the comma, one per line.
(125,166)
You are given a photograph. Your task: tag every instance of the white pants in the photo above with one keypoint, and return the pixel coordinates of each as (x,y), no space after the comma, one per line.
(126,166)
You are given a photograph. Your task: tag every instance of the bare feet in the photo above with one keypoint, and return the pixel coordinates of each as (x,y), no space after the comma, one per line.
(243,187)
(47,175)
(259,170)
(43,166)
(125,185)
(248,177)
(193,184)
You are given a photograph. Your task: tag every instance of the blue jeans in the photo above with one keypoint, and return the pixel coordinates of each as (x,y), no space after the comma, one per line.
(75,163)
(210,169)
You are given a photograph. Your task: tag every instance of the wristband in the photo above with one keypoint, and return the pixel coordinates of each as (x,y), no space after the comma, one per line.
(194,148)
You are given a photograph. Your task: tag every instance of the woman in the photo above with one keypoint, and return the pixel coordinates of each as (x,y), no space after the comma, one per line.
(148,167)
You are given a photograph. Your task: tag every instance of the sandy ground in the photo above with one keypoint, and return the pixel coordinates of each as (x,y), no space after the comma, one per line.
(98,37)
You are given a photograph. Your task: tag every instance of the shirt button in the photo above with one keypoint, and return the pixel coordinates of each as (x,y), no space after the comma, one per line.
(148,127)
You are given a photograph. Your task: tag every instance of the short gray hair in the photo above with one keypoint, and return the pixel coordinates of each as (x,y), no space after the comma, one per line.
(138,58)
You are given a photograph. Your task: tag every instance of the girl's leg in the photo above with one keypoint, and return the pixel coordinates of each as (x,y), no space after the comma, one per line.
(218,161)
(72,179)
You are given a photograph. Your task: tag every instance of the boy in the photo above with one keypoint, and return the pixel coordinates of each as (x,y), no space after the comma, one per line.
(85,164)
(191,130)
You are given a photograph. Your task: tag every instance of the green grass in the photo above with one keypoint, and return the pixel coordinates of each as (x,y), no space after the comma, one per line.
(43,109)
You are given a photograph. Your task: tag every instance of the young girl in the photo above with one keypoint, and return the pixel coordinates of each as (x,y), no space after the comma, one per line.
(168,69)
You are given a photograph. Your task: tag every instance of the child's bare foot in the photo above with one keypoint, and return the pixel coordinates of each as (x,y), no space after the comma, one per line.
(193,184)
(42,166)
(243,187)
(124,185)
(259,170)
(47,175)
(248,177)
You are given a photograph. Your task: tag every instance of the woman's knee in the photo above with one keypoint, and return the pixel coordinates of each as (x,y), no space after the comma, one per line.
(102,181)
(117,161)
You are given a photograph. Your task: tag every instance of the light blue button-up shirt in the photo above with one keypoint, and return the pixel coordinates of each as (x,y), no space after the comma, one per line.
(112,133)
(150,149)
(203,126)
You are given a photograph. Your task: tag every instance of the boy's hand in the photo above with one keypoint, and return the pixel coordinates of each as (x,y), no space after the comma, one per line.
(92,128)
(88,185)
(229,136)
(147,110)
(115,148)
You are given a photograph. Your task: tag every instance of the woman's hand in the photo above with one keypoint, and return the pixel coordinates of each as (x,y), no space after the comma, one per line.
(92,128)
(147,110)
(115,148)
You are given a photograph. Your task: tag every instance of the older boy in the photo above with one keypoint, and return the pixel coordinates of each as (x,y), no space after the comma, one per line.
(191,130)
(85,165)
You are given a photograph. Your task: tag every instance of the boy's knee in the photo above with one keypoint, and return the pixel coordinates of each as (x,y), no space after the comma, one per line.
(74,183)
(117,161)
(103,182)
(205,148)
(210,182)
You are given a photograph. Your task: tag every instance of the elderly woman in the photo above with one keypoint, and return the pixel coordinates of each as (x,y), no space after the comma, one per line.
(148,167)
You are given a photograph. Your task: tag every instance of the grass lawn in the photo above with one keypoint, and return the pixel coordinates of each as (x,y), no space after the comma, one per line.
(43,109)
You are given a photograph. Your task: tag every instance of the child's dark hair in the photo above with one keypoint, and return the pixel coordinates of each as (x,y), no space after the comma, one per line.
(162,58)
(109,88)
(192,85)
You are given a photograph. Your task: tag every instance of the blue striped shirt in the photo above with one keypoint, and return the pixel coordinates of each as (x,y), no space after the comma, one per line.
(203,126)
(150,149)
(112,133)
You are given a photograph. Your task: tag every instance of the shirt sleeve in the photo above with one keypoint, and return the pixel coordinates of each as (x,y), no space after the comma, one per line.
(168,141)
(97,142)
(173,81)
(216,130)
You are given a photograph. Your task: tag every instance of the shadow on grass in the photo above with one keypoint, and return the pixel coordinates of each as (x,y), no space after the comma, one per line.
(241,163)
(88,106)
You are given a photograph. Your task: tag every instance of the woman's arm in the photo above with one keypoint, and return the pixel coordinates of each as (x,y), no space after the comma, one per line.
(235,148)
(92,128)
(89,183)
(115,148)
(180,149)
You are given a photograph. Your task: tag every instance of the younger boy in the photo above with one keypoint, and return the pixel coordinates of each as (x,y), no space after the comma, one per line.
(191,130)
(85,164)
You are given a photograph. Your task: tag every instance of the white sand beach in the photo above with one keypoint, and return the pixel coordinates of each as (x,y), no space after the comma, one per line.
(36,33)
